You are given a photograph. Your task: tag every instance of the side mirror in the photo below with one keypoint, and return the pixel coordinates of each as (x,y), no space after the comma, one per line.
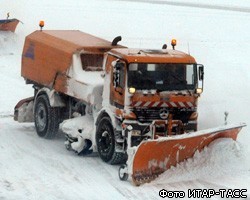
(117,68)
(116,76)
(201,72)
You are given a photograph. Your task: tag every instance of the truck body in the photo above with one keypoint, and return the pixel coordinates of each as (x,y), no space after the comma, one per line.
(128,95)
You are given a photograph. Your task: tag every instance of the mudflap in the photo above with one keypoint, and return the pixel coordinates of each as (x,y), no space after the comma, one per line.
(153,157)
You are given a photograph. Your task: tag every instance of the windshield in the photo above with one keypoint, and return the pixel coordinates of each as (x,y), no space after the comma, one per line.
(162,77)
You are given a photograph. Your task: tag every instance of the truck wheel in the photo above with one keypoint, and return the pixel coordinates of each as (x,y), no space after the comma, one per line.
(105,141)
(122,172)
(46,118)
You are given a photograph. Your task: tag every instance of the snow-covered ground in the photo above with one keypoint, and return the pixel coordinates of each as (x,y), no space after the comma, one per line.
(34,168)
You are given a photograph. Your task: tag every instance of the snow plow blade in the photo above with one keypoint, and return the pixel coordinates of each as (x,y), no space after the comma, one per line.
(153,157)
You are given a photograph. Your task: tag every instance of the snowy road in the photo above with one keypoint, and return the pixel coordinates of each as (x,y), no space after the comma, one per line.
(34,168)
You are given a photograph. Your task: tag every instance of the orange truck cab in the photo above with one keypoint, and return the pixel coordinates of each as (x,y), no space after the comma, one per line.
(154,90)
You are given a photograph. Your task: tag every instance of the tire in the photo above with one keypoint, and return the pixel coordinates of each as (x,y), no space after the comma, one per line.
(46,118)
(105,141)
(122,175)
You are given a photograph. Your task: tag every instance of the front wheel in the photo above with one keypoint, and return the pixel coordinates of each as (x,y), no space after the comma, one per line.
(106,144)
(46,118)
(123,172)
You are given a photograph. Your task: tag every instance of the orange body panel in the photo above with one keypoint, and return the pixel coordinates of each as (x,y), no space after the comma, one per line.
(8,25)
(61,83)
(156,156)
(48,54)
(45,56)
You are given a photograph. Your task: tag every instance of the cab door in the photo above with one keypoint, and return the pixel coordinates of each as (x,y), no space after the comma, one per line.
(118,83)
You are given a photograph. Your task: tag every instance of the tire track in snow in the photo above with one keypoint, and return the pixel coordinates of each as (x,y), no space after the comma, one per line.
(194,5)
(7,185)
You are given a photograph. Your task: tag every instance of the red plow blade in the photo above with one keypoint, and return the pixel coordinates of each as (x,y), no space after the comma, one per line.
(153,157)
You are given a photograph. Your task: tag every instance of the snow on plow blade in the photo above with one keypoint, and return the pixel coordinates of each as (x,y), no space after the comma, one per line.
(156,156)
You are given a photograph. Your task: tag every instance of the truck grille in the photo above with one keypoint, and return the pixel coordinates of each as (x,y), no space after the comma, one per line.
(150,114)
(145,115)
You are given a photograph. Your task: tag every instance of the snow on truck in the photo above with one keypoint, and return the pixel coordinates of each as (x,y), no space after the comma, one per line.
(135,107)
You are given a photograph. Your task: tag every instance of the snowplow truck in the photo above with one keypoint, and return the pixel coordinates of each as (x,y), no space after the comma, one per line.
(136,107)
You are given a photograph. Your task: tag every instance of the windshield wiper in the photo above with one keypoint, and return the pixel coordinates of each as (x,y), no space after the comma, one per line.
(178,78)
(181,81)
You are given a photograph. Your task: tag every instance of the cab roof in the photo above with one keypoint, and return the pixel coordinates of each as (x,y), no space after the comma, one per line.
(153,55)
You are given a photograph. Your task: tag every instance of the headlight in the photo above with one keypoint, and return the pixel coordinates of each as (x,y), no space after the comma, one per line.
(199,90)
(131,90)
